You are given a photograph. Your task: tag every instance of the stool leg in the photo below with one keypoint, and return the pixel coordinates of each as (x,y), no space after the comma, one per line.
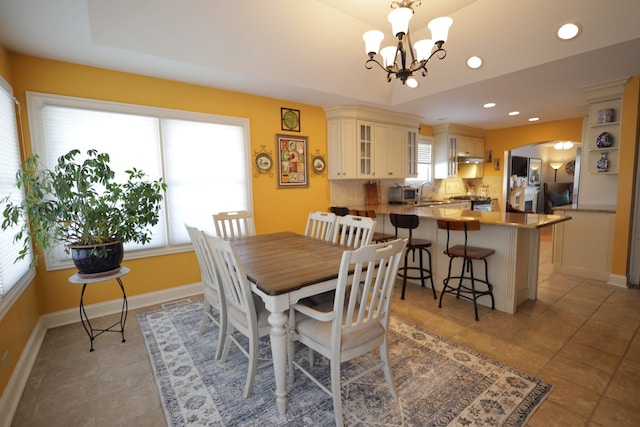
(464,264)
(473,290)
(486,277)
(445,283)
(433,288)
(421,269)
(404,275)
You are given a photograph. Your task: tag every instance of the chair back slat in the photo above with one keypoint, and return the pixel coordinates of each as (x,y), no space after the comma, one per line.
(320,225)
(237,290)
(208,271)
(353,231)
(230,225)
(368,275)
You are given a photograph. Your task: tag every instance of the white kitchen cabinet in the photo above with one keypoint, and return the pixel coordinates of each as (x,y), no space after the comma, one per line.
(454,141)
(390,146)
(469,146)
(365,150)
(411,159)
(365,143)
(341,144)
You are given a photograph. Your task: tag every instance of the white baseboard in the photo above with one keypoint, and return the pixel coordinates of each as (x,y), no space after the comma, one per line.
(15,386)
(617,280)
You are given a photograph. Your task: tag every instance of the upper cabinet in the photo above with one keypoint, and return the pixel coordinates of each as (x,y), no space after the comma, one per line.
(366,143)
(458,151)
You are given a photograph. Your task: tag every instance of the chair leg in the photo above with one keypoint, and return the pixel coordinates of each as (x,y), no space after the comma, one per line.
(205,315)
(335,391)
(222,336)
(253,361)
(384,356)
(473,290)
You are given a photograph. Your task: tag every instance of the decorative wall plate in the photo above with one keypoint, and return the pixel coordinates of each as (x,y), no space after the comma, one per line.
(605,139)
(263,162)
(318,164)
(290,119)
(570,167)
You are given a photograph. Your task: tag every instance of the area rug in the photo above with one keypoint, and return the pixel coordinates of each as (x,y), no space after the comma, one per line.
(439,383)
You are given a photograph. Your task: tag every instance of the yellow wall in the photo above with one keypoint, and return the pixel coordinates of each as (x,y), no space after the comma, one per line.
(630,127)
(501,140)
(18,323)
(274,209)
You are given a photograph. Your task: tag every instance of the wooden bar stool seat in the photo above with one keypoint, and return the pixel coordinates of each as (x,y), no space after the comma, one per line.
(377,237)
(410,222)
(466,286)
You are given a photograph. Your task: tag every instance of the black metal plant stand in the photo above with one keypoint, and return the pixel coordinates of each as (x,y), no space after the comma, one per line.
(86,323)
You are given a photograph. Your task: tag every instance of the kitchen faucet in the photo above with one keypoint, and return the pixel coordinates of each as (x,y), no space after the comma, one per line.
(433,190)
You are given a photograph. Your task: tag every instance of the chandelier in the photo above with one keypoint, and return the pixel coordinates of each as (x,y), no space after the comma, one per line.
(403,60)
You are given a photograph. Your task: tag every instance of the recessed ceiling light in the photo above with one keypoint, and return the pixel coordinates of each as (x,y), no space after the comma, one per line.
(514,113)
(568,31)
(489,105)
(534,119)
(412,83)
(474,62)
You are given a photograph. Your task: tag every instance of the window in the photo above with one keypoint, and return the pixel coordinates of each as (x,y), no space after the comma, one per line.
(204,159)
(13,275)
(424,161)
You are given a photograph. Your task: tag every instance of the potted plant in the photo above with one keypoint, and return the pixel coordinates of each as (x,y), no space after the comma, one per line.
(79,204)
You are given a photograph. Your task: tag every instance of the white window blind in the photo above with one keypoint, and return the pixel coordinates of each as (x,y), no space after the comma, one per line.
(11,273)
(424,161)
(204,159)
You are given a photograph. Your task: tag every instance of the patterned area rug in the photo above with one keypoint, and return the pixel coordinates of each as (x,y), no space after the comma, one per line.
(439,383)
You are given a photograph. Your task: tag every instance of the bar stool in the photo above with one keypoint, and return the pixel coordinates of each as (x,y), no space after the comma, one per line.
(468,255)
(377,236)
(410,222)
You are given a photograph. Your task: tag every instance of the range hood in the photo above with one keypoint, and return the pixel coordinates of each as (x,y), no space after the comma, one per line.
(466,159)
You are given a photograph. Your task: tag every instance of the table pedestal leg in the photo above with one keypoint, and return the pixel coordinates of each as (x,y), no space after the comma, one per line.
(278,337)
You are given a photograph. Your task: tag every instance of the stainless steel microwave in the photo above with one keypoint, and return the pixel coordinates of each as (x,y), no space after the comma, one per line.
(403,194)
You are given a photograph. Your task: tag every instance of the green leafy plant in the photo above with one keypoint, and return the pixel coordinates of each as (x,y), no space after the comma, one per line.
(79,203)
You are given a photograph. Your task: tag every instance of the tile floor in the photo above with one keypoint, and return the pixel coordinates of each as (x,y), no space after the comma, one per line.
(580,335)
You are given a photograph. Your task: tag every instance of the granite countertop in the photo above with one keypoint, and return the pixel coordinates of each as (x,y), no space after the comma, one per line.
(586,208)
(507,219)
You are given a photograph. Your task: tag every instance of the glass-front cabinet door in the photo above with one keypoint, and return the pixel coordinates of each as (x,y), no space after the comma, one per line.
(412,153)
(365,149)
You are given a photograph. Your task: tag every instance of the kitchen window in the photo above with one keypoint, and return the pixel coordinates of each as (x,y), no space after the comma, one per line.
(203,158)
(14,276)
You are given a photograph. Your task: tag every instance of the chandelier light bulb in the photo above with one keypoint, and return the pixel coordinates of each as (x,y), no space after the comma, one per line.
(412,83)
(423,49)
(399,19)
(440,28)
(372,40)
(388,55)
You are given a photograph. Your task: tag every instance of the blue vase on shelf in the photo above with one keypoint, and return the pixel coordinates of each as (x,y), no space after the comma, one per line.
(603,163)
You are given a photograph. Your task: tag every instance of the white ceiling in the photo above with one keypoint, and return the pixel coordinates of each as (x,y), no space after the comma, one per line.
(311,51)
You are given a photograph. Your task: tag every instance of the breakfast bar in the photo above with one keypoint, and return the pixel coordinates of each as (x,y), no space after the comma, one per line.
(515,237)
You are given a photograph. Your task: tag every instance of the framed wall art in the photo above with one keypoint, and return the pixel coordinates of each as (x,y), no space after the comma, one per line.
(318,163)
(290,119)
(535,169)
(293,168)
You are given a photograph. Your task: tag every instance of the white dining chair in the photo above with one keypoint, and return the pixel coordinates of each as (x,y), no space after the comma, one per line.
(320,225)
(353,231)
(246,313)
(230,225)
(212,289)
(357,321)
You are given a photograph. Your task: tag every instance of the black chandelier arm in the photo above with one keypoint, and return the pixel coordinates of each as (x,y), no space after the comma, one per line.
(368,64)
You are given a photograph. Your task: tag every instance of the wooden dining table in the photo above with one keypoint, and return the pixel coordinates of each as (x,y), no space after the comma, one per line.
(284,268)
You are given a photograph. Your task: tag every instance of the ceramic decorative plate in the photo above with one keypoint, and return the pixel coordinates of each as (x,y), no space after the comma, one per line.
(263,162)
(605,139)
(570,167)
